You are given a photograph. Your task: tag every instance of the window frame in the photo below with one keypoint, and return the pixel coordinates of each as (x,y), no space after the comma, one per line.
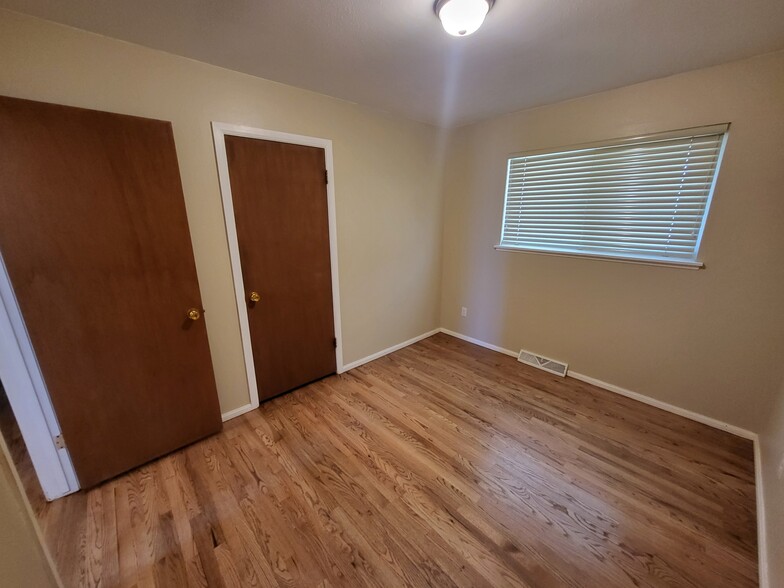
(723,129)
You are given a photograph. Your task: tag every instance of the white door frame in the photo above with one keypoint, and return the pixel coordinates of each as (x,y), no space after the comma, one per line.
(29,399)
(219,132)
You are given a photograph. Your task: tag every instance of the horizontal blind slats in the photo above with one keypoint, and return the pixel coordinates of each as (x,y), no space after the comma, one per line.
(608,205)
(646,225)
(599,242)
(608,197)
(672,189)
(582,246)
(679,236)
(621,167)
(628,251)
(646,198)
(524,163)
(634,177)
(597,153)
(571,225)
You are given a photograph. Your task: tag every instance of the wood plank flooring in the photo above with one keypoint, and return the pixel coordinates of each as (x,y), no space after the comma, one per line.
(443,464)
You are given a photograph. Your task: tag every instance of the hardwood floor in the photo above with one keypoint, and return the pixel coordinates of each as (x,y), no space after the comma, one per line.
(443,464)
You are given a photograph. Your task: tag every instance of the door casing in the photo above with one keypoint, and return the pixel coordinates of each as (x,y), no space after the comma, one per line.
(219,132)
(29,398)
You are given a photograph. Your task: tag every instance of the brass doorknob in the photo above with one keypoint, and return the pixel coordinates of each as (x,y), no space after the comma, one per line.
(255,296)
(194,314)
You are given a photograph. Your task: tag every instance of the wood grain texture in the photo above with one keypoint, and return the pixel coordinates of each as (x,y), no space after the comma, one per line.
(95,238)
(443,464)
(279,194)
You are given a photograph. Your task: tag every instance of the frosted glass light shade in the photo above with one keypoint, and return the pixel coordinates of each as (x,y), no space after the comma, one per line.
(462,17)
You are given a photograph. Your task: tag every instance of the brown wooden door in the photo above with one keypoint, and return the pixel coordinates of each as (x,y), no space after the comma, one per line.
(95,239)
(280,207)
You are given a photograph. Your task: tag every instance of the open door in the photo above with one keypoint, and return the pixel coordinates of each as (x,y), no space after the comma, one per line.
(95,240)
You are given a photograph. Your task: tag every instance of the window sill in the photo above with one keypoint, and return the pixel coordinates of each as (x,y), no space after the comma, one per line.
(676,263)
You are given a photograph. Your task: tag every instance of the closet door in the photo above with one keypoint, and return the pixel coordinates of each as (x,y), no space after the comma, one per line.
(279,193)
(95,240)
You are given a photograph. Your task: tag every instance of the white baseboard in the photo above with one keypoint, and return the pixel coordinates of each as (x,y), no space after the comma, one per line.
(478,342)
(226,416)
(694,416)
(706,420)
(387,351)
(624,392)
(231,414)
(746,434)
(717,424)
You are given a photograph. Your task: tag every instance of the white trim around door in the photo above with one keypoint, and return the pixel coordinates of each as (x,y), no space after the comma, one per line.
(219,132)
(29,399)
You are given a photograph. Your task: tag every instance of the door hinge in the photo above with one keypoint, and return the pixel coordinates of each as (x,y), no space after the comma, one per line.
(326,176)
(59,442)
(335,342)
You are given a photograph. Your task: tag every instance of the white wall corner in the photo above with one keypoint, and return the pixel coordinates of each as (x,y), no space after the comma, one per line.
(762,534)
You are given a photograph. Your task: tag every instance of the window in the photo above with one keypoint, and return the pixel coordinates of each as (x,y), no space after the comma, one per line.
(643,199)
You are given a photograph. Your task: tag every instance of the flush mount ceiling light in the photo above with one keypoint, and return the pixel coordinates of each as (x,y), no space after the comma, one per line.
(462,17)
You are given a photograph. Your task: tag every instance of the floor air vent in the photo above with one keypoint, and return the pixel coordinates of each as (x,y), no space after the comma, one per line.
(543,363)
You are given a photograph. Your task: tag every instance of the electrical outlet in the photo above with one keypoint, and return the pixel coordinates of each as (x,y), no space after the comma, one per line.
(781,468)
(464,311)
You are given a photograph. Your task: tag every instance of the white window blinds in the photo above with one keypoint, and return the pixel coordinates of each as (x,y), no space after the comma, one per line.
(644,198)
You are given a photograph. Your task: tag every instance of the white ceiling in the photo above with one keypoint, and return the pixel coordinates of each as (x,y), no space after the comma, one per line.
(394,56)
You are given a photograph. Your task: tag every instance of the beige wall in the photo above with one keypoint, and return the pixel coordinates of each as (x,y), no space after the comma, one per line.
(387,197)
(703,340)
(772,445)
(23,561)
(708,341)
